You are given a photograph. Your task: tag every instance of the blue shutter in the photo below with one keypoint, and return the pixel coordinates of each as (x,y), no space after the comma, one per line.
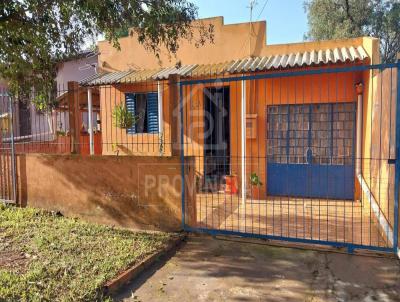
(152,112)
(131,106)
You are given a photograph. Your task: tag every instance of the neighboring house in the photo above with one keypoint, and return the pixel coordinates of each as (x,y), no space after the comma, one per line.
(32,125)
(76,69)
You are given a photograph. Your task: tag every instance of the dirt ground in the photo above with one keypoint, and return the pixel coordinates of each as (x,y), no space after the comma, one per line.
(209,269)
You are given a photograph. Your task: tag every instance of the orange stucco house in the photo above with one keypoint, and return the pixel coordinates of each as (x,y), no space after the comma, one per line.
(290,112)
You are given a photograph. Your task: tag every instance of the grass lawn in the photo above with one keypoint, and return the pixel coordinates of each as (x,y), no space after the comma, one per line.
(44,257)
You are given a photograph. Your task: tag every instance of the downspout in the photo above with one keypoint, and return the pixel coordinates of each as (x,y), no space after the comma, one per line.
(359,90)
(364,186)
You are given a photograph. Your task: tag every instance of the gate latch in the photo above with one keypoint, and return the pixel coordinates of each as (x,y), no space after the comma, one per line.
(391,161)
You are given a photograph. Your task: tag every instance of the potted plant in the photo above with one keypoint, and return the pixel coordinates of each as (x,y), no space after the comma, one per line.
(123,118)
(231,184)
(255,183)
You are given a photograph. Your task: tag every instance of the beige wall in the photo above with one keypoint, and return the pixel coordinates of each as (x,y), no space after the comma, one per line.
(126,191)
(231,42)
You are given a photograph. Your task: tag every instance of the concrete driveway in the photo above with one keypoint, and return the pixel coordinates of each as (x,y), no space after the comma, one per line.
(208,269)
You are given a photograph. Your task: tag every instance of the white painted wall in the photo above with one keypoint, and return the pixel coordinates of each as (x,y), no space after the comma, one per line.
(75,70)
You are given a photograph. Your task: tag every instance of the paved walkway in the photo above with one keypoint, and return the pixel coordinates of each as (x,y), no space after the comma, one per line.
(317,219)
(207,269)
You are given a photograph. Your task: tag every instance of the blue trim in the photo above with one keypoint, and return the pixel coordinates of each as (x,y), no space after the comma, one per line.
(182,153)
(397,166)
(152,112)
(350,247)
(291,74)
(130,102)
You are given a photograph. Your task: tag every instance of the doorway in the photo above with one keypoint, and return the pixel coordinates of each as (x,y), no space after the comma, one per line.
(216,136)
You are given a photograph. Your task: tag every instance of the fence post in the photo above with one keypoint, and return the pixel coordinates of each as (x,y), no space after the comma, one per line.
(397,166)
(174,114)
(73,114)
(176,120)
(13,161)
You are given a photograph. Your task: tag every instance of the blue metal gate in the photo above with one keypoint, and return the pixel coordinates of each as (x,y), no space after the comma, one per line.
(294,173)
(315,142)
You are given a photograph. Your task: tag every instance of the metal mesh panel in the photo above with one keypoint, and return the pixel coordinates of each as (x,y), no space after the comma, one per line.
(299,178)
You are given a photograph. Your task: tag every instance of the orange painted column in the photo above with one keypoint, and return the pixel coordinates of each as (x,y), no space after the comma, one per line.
(174,114)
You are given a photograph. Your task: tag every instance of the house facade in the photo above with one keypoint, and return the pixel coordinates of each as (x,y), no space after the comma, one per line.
(293,142)
(276,144)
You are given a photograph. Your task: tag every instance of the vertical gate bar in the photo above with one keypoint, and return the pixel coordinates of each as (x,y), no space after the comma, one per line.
(280,151)
(373,72)
(225,158)
(288,151)
(382,72)
(397,166)
(309,164)
(344,152)
(182,153)
(354,162)
(243,144)
(14,183)
(354,153)
(390,144)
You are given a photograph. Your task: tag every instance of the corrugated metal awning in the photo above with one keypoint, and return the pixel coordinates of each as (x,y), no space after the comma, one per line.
(104,78)
(254,64)
(138,76)
(183,71)
(308,58)
(211,69)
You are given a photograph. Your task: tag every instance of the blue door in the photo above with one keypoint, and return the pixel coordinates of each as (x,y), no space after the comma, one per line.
(310,150)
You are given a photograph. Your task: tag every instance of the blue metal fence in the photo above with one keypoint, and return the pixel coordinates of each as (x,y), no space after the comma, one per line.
(299,177)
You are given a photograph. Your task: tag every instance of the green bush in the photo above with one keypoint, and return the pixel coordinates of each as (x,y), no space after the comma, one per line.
(122,118)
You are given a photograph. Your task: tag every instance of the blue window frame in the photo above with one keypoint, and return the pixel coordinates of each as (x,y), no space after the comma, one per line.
(145,107)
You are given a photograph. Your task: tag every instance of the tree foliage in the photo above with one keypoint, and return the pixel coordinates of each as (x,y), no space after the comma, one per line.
(339,19)
(36,34)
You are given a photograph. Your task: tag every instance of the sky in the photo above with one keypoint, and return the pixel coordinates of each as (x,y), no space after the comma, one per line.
(286,19)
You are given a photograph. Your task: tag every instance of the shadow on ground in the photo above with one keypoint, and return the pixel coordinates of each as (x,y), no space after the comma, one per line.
(208,269)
